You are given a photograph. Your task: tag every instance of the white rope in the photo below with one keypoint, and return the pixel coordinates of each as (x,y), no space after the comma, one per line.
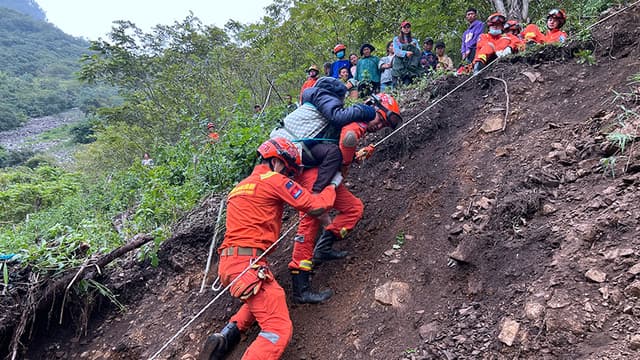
(433,104)
(182,329)
(212,246)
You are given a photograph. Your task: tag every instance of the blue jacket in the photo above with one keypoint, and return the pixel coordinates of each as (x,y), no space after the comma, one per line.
(339,64)
(327,95)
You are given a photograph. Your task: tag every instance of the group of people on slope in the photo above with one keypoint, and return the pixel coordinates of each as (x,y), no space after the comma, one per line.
(303,165)
(505,37)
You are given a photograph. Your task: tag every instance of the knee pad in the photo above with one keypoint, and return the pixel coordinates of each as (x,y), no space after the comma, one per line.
(350,139)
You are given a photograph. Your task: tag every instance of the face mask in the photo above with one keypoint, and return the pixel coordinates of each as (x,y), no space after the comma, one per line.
(495,31)
(340,54)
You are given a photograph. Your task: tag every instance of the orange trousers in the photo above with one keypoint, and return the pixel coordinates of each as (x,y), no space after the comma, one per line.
(268,307)
(349,208)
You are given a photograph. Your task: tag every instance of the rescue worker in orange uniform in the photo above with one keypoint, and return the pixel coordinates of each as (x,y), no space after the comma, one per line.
(493,44)
(254,213)
(555,20)
(513,29)
(306,250)
(311,80)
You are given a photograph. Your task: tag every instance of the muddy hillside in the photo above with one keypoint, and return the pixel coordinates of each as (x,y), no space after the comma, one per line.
(481,239)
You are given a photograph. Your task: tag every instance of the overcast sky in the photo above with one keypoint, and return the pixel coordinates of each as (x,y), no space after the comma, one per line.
(92,18)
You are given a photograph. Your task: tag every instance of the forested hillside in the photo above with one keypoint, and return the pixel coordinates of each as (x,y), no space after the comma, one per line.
(56,221)
(38,70)
(27,7)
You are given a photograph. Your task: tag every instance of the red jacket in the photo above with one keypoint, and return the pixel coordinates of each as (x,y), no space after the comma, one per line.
(488,45)
(307,84)
(255,205)
(533,33)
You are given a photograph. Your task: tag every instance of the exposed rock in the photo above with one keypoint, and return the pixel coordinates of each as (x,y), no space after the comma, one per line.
(493,123)
(394,293)
(565,320)
(428,331)
(484,203)
(634,342)
(596,275)
(633,289)
(618,252)
(635,269)
(559,300)
(548,209)
(509,331)
(534,310)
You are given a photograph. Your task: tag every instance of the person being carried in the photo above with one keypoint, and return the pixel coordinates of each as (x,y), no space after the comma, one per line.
(492,45)
(309,126)
(254,219)
(307,252)
(555,20)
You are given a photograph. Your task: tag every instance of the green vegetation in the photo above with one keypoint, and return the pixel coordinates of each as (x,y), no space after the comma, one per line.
(585,57)
(38,66)
(172,82)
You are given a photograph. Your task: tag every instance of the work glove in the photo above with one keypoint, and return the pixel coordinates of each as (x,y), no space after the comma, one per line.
(365,152)
(505,52)
(337,179)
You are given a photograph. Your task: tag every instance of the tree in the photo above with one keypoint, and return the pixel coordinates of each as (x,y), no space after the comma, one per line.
(513,9)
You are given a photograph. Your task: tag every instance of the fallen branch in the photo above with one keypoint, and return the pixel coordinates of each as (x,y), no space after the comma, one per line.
(506,91)
(87,271)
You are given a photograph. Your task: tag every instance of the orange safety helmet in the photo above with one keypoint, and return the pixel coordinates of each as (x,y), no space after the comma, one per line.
(338,48)
(388,109)
(558,14)
(210,125)
(285,150)
(513,25)
(495,19)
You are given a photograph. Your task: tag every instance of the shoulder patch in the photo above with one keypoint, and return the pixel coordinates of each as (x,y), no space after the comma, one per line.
(294,189)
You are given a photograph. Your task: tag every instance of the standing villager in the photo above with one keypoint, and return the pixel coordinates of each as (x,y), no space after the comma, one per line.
(471,36)
(339,51)
(406,65)
(385,65)
(367,71)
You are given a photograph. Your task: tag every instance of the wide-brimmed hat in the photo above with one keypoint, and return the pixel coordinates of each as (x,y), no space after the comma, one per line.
(365,45)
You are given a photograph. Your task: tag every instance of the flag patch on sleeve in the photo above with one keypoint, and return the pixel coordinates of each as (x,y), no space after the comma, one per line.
(294,189)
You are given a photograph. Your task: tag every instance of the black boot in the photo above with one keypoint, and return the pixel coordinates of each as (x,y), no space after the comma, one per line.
(302,293)
(219,344)
(323,250)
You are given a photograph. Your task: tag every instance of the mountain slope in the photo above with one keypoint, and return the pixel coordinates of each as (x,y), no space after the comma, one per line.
(548,240)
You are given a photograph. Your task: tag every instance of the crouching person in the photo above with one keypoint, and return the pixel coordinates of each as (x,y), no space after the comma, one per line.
(254,215)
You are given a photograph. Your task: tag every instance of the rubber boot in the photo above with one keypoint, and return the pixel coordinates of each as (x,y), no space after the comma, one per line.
(218,345)
(324,251)
(302,293)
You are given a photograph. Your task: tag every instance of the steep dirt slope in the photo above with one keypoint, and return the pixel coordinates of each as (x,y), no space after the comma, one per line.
(547,239)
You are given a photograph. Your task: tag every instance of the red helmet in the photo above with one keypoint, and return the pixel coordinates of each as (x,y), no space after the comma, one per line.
(284,150)
(495,19)
(210,125)
(513,25)
(338,48)
(559,15)
(388,109)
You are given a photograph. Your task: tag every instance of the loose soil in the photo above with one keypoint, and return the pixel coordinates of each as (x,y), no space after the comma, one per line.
(543,236)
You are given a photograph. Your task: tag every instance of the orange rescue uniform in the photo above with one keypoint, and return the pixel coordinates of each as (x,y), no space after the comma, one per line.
(349,207)
(488,45)
(254,214)
(533,33)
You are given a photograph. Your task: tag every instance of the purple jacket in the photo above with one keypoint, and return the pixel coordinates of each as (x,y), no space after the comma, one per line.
(471,35)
